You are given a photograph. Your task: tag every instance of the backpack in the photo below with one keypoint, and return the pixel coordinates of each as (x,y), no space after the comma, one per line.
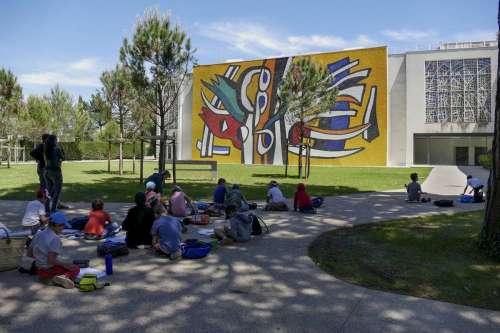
(195,249)
(443,203)
(258,225)
(115,249)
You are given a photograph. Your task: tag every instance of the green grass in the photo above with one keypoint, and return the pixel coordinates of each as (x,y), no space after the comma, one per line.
(432,257)
(86,181)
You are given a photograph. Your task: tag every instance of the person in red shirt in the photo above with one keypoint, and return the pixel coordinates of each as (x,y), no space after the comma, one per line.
(96,227)
(302,201)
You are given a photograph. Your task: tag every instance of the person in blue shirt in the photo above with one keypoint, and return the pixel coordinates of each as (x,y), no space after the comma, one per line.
(166,233)
(220,193)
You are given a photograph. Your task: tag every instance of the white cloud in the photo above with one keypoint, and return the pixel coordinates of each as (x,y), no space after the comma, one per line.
(86,64)
(404,35)
(80,73)
(258,40)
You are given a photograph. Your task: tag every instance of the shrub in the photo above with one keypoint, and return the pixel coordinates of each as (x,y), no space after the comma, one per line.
(485,161)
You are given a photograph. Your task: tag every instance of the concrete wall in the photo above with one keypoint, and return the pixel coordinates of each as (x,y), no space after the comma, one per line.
(415,94)
(396,129)
(185,121)
(441,150)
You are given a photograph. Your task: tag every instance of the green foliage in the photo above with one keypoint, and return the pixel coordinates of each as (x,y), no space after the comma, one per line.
(158,58)
(99,110)
(306,91)
(36,117)
(434,257)
(485,161)
(96,150)
(11,95)
(62,116)
(82,123)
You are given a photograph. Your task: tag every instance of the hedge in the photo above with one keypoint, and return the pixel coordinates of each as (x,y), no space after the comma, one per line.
(485,161)
(96,150)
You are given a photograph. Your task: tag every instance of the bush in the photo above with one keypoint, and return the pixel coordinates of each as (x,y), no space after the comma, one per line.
(93,150)
(485,161)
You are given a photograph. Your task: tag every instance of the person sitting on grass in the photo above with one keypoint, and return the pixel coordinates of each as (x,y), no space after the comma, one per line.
(179,203)
(239,230)
(152,197)
(414,190)
(99,224)
(46,247)
(35,215)
(477,186)
(302,201)
(220,193)
(166,233)
(138,222)
(237,199)
(275,199)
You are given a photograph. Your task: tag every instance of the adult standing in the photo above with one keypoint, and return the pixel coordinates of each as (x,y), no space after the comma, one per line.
(37,154)
(53,174)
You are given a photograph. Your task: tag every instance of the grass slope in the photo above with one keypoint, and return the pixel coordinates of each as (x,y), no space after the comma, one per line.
(432,257)
(84,181)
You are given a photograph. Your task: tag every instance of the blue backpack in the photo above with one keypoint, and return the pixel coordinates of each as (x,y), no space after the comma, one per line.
(195,249)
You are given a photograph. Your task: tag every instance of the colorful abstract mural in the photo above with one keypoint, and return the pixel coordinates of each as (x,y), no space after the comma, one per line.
(237,117)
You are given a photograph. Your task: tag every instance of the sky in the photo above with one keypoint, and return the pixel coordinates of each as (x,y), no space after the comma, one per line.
(70,43)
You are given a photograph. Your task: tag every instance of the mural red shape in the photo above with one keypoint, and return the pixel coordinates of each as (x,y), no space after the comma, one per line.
(222,126)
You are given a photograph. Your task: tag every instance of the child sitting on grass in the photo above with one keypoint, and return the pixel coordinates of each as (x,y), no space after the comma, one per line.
(99,224)
(414,190)
(35,216)
(275,199)
(303,203)
(152,197)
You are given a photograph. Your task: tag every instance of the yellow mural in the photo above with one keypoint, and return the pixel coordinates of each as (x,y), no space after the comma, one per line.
(236,118)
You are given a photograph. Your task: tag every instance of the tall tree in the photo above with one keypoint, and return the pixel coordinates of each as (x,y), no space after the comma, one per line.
(118,92)
(36,116)
(490,234)
(100,111)
(11,96)
(158,56)
(81,126)
(305,91)
(62,115)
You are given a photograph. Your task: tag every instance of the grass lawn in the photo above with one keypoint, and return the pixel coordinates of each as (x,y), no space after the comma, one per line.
(86,181)
(432,257)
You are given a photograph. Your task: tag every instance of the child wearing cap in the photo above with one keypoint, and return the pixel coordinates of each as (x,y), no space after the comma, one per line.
(46,248)
(35,215)
(152,197)
(275,199)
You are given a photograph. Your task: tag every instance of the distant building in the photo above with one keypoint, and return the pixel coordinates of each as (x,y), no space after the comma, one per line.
(419,107)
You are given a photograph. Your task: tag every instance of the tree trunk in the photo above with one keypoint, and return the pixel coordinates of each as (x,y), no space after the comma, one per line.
(133,157)
(109,156)
(490,234)
(161,159)
(120,161)
(300,148)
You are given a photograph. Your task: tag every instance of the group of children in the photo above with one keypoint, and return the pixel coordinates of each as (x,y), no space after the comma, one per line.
(153,221)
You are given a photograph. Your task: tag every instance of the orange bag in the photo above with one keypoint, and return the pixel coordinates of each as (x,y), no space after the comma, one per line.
(200,219)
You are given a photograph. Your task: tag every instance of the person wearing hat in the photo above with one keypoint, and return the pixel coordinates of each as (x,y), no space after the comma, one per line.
(35,215)
(275,199)
(152,197)
(46,248)
(179,202)
(159,179)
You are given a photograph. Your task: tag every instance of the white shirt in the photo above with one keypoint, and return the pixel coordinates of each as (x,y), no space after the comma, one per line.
(44,242)
(32,215)
(474,182)
(275,194)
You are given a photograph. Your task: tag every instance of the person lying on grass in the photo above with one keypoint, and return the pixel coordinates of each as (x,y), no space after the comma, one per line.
(166,234)
(303,203)
(35,215)
(138,222)
(239,230)
(414,190)
(275,199)
(99,224)
(179,203)
(46,248)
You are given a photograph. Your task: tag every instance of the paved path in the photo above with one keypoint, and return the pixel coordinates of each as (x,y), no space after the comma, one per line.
(267,285)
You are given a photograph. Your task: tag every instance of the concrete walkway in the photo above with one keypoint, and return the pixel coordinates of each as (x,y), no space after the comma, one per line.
(267,285)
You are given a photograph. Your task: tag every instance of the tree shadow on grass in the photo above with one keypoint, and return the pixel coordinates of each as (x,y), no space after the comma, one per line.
(120,189)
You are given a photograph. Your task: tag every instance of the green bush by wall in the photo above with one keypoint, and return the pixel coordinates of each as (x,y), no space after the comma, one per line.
(485,161)
(96,150)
